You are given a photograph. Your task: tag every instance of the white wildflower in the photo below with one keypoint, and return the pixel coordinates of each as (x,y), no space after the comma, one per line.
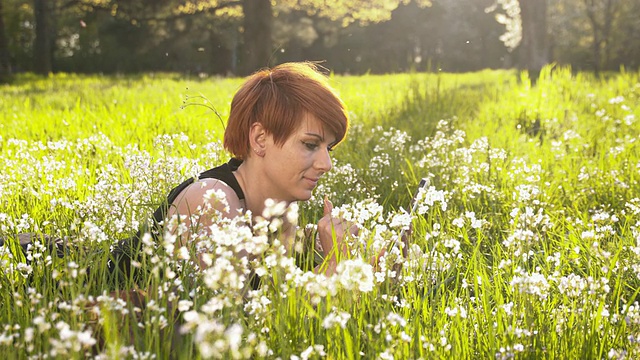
(336,317)
(355,274)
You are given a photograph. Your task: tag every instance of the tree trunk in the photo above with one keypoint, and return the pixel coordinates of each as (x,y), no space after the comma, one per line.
(534,48)
(601,16)
(5,65)
(609,16)
(595,46)
(42,45)
(258,19)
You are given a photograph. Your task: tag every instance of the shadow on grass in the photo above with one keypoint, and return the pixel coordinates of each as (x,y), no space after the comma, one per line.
(455,101)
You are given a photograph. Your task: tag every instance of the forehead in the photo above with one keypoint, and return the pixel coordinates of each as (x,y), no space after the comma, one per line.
(311,125)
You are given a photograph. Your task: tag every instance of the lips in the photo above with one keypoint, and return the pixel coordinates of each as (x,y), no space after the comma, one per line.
(312,181)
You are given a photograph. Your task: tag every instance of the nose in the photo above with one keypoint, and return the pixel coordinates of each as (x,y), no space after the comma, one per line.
(323,161)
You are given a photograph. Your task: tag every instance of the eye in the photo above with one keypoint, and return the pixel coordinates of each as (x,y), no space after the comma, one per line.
(310,146)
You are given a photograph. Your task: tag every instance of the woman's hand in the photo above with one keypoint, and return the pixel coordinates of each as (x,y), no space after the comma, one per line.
(332,232)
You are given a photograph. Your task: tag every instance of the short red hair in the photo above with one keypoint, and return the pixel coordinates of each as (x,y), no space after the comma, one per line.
(279,98)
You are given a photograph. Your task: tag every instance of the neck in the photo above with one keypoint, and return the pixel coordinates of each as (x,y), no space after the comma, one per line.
(253,184)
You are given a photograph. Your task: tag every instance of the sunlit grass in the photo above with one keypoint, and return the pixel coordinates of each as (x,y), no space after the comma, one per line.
(526,245)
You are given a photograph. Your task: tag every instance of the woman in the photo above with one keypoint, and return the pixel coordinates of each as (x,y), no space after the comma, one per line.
(283,123)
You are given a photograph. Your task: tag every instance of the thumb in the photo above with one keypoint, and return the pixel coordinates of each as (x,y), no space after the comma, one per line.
(328,206)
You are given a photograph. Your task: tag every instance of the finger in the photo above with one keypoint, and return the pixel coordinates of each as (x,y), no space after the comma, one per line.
(328,206)
(309,231)
(375,259)
(354,229)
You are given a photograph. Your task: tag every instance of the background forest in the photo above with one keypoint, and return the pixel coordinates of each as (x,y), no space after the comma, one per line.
(381,36)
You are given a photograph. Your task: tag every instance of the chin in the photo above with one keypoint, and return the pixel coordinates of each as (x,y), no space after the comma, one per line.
(304,196)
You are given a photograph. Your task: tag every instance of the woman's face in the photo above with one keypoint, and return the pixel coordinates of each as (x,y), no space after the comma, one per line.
(293,169)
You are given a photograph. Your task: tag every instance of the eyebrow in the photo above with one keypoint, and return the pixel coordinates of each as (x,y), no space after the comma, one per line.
(331,145)
(315,135)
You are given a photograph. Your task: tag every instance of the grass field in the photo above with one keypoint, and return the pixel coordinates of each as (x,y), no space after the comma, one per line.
(525,243)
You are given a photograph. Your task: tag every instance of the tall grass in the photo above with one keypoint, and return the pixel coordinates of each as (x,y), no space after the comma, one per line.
(526,242)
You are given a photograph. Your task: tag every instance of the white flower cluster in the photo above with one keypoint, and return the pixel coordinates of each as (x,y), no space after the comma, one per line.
(533,284)
(217,341)
(428,197)
(70,339)
(336,318)
(573,285)
(355,274)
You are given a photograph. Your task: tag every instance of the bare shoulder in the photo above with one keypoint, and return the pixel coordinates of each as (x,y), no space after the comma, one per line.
(209,193)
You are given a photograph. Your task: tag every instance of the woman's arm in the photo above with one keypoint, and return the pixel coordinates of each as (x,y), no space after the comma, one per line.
(332,232)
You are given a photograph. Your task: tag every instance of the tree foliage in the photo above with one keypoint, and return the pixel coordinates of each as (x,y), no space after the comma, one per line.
(216,36)
(346,11)
(590,34)
(5,66)
(609,33)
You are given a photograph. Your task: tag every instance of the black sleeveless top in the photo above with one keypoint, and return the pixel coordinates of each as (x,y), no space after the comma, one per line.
(223,173)
(127,249)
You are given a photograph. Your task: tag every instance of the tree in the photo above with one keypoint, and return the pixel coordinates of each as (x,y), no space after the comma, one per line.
(588,34)
(534,48)
(468,37)
(627,36)
(526,22)
(596,34)
(601,15)
(5,66)
(451,35)
(255,17)
(42,51)
(258,20)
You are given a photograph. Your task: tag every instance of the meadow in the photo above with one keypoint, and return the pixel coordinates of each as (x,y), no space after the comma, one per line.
(525,242)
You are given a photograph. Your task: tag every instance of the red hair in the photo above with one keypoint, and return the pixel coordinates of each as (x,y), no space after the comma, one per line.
(279,98)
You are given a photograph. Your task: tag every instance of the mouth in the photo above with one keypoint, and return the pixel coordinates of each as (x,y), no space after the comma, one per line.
(312,181)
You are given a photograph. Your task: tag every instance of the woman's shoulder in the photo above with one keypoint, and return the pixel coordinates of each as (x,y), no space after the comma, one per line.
(212,191)
(224,173)
(215,188)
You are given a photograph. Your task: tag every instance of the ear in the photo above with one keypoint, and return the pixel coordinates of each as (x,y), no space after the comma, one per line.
(258,139)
